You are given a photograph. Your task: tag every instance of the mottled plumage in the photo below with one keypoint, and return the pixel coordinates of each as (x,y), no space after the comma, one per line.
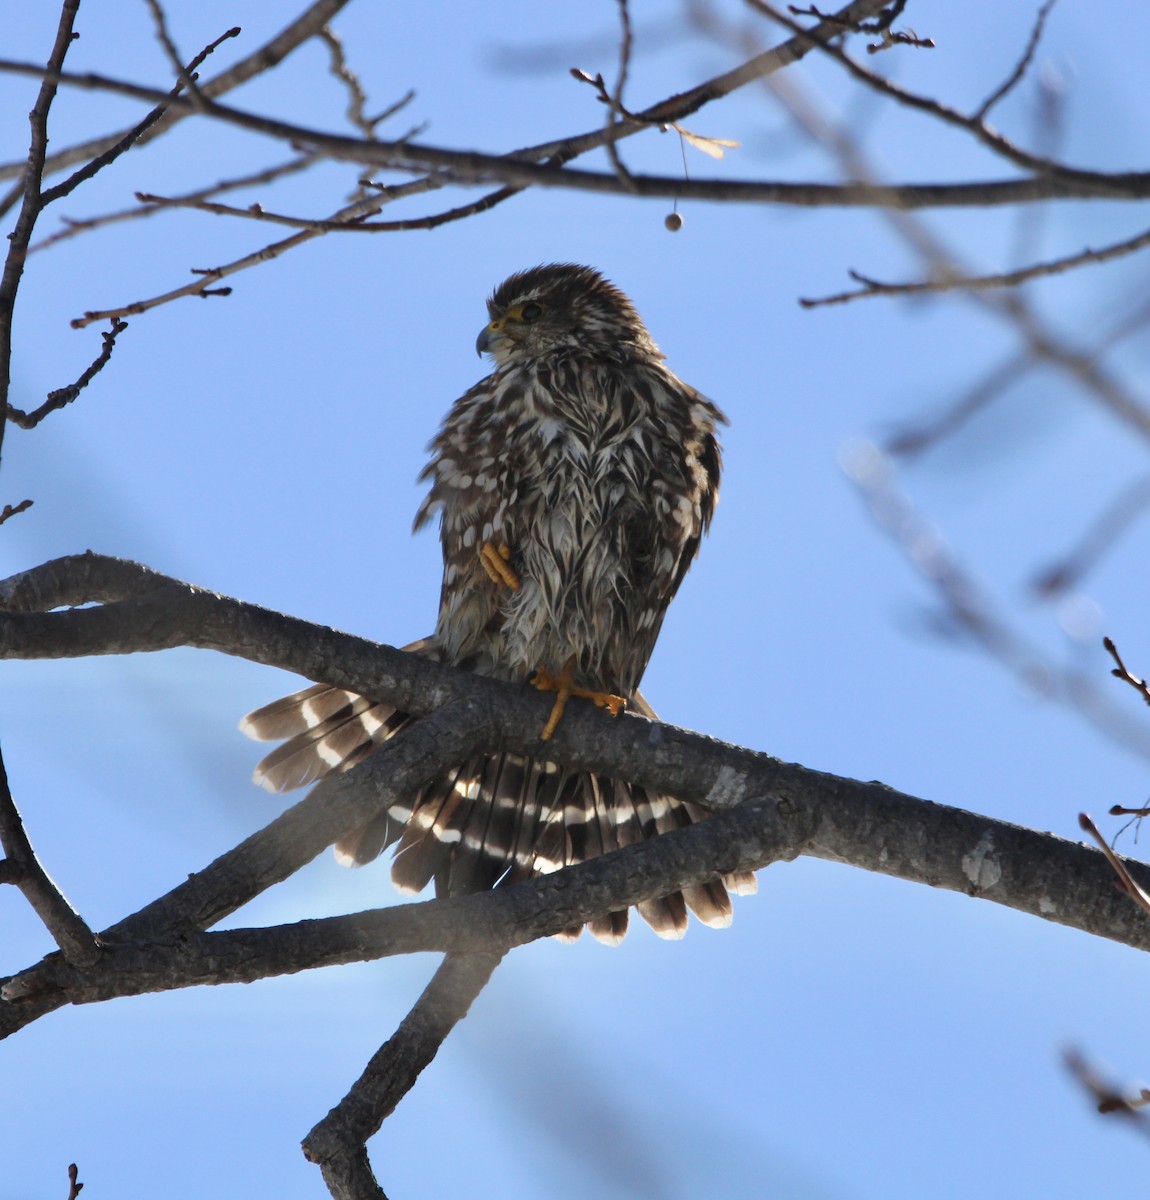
(597,469)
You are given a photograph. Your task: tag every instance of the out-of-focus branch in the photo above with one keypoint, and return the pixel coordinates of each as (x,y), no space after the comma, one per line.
(1020,68)
(967,610)
(1098,539)
(1106,1095)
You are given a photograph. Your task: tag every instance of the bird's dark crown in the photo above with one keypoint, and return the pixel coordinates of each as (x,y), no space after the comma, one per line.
(579,309)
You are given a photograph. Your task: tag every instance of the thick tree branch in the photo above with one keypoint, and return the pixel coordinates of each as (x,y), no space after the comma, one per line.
(770,811)
(793,811)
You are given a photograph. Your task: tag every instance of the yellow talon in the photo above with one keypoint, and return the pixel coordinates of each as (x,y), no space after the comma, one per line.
(565,687)
(496,562)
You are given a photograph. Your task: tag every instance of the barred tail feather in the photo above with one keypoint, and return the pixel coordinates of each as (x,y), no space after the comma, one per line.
(496,819)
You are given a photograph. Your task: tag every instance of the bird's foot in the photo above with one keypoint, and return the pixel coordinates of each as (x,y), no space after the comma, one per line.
(496,562)
(565,687)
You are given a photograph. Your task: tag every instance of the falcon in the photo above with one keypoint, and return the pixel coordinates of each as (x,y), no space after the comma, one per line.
(572,487)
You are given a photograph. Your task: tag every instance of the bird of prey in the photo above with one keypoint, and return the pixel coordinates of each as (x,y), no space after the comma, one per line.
(572,487)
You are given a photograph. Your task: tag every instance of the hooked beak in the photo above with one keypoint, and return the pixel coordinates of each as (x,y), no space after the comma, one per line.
(489,340)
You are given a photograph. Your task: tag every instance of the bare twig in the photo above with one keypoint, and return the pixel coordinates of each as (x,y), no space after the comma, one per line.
(10,510)
(1121,671)
(1125,881)
(615,110)
(356,95)
(21,235)
(256,212)
(75,1187)
(951,282)
(74,226)
(65,395)
(132,136)
(263,58)
(183,74)
(881,25)
(970,123)
(1021,67)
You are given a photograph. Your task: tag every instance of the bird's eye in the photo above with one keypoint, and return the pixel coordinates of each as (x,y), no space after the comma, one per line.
(530,312)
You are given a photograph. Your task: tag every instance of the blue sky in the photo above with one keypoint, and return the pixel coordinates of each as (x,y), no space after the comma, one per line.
(851,1037)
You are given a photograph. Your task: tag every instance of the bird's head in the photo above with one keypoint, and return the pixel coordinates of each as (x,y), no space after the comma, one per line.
(562,307)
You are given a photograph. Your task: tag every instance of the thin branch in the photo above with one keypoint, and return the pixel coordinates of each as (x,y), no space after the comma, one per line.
(1125,880)
(967,611)
(1020,69)
(77,942)
(916,439)
(183,74)
(30,208)
(75,226)
(65,395)
(263,58)
(1043,344)
(256,212)
(10,510)
(1052,180)
(615,110)
(337,1143)
(972,124)
(132,136)
(357,223)
(951,282)
(1107,1097)
(1121,672)
(356,95)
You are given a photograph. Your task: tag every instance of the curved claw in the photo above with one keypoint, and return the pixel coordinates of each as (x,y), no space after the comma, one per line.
(565,687)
